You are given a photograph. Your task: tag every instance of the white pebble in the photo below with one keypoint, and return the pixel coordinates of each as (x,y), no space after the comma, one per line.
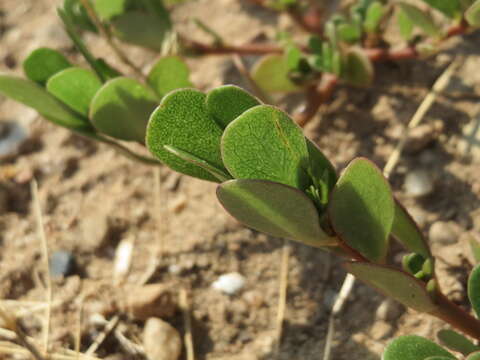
(418,183)
(229,283)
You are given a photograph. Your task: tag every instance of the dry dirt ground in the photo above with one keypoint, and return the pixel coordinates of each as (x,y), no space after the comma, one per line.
(92,199)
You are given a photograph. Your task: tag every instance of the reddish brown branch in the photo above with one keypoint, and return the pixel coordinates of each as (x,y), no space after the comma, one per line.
(199,48)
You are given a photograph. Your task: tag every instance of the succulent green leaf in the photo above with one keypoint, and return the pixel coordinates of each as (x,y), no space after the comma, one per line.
(413,347)
(293,56)
(413,263)
(264,143)
(275,209)
(358,69)
(121,109)
(226,103)
(107,9)
(75,87)
(457,342)
(405,25)
(361,209)
(373,16)
(183,122)
(420,18)
(271,75)
(218,173)
(474,289)
(472,15)
(406,231)
(169,73)
(349,32)
(321,168)
(42,63)
(438,358)
(36,97)
(450,8)
(474,356)
(397,284)
(475,247)
(139,28)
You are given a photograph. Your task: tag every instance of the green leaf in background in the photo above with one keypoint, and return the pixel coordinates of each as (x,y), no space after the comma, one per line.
(457,342)
(182,121)
(75,87)
(264,143)
(271,75)
(227,102)
(36,97)
(275,209)
(406,231)
(474,289)
(121,109)
(413,347)
(396,284)
(107,9)
(475,247)
(374,15)
(472,15)
(413,263)
(450,8)
(438,358)
(42,63)
(405,25)
(362,209)
(169,73)
(358,69)
(78,15)
(139,28)
(349,32)
(420,18)
(293,56)
(474,356)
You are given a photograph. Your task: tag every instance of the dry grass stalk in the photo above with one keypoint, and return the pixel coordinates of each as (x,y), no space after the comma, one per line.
(188,338)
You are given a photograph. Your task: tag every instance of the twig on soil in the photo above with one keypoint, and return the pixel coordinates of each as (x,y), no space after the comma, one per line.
(282,294)
(440,84)
(103,335)
(106,34)
(44,245)
(242,69)
(188,338)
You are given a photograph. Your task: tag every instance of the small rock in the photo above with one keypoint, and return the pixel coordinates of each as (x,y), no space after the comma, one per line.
(178,204)
(123,259)
(444,232)
(380,330)
(12,136)
(254,299)
(161,341)
(143,302)
(174,269)
(422,136)
(61,263)
(389,310)
(418,183)
(229,283)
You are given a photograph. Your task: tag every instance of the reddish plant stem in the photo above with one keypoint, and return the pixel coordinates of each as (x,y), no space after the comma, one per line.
(455,316)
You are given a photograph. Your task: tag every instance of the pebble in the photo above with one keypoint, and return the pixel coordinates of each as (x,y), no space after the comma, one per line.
(161,341)
(12,136)
(123,259)
(229,283)
(418,183)
(254,299)
(444,232)
(422,136)
(61,263)
(143,302)
(380,330)
(389,310)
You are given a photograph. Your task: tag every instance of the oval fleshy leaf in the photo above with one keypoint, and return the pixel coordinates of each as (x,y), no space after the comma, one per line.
(475,247)
(140,28)
(420,18)
(373,16)
(227,102)
(394,283)
(36,97)
(271,75)
(121,109)
(450,8)
(413,347)
(75,87)
(438,358)
(358,69)
(107,9)
(275,209)
(361,209)
(42,63)
(264,143)
(405,25)
(182,121)
(472,15)
(474,356)
(474,289)
(406,231)
(457,342)
(169,73)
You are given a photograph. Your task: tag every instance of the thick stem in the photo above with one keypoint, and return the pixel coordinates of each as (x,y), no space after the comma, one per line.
(455,316)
